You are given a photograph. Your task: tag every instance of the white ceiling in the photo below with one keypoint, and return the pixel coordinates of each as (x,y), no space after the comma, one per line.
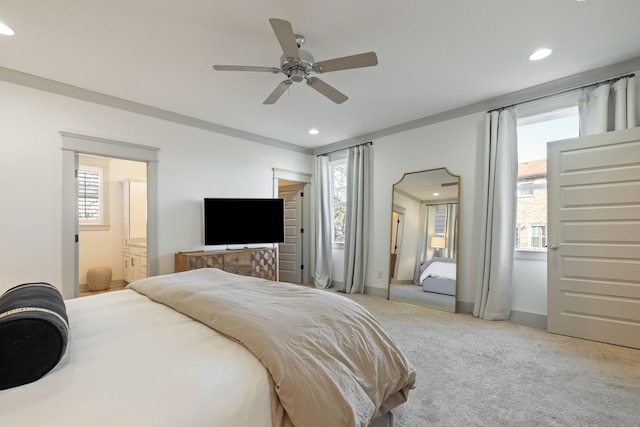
(434,55)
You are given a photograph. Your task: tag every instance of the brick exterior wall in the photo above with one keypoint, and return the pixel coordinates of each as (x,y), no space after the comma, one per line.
(531,210)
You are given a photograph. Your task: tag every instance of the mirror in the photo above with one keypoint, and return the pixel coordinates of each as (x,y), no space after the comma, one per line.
(424,239)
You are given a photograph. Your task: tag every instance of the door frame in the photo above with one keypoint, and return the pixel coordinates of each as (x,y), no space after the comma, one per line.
(74,144)
(307,203)
(299,188)
(399,233)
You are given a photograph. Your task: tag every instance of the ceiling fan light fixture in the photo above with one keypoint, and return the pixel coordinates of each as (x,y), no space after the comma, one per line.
(540,54)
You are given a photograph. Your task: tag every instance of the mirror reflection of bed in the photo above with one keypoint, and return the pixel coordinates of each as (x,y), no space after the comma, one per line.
(424,242)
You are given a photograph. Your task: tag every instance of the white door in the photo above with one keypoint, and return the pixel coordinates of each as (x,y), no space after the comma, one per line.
(290,252)
(594,237)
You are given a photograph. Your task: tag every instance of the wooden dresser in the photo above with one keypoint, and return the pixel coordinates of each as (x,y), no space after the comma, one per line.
(255,262)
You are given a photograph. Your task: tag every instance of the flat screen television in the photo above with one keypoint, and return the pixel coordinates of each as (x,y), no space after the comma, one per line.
(243,221)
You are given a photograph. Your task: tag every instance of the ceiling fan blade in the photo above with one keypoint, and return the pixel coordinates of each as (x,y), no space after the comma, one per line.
(368,59)
(246,68)
(277,92)
(286,37)
(327,90)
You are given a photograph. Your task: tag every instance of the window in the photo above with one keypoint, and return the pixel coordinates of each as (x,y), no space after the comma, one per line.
(538,236)
(338,174)
(534,132)
(90,195)
(441,220)
(93,194)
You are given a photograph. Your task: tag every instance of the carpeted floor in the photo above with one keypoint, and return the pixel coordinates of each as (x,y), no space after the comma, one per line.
(472,372)
(413,294)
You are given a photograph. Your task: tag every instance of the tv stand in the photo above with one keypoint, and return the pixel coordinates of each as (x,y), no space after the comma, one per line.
(255,262)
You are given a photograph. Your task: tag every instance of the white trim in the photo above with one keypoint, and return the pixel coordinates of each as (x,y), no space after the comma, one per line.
(308,240)
(72,145)
(560,85)
(572,82)
(288,175)
(98,146)
(40,83)
(399,209)
(531,254)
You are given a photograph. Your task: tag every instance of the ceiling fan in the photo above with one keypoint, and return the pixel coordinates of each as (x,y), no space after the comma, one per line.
(298,64)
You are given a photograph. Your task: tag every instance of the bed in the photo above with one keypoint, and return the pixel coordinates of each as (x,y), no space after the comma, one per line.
(210,348)
(438,275)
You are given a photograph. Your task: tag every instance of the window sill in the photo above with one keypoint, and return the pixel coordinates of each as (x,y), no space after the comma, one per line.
(531,254)
(94,227)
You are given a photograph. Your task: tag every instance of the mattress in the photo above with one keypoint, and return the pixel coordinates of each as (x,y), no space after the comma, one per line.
(210,348)
(140,363)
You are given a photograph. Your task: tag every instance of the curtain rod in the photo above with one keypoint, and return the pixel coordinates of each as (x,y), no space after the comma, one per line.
(344,148)
(602,82)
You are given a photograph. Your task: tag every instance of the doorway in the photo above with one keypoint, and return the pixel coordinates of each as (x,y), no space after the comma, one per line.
(290,251)
(72,146)
(112,221)
(298,183)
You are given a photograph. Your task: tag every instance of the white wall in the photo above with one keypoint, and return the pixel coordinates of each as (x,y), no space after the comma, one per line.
(456,145)
(452,144)
(193,163)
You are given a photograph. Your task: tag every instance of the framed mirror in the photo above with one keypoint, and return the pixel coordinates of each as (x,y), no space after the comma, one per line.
(423,262)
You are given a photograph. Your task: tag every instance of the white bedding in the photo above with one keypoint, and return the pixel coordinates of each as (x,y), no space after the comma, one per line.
(142,364)
(440,270)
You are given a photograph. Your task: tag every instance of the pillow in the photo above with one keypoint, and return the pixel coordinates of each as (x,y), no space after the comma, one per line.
(34,330)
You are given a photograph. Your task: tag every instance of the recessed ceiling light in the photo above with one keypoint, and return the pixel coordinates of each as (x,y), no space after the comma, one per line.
(314,131)
(436,194)
(540,54)
(5,30)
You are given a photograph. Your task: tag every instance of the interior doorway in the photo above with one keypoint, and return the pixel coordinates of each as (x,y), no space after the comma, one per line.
(286,178)
(112,223)
(72,146)
(291,250)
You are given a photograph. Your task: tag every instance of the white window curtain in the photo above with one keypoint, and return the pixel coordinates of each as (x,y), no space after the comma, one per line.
(357,219)
(426,229)
(322,276)
(494,267)
(602,110)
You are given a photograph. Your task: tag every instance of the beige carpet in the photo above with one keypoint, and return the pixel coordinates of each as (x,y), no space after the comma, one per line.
(472,372)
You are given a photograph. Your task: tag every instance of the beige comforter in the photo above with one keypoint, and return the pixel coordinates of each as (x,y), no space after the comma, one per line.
(331,362)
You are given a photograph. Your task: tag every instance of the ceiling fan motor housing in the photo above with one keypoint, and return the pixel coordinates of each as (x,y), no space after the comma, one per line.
(297,69)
